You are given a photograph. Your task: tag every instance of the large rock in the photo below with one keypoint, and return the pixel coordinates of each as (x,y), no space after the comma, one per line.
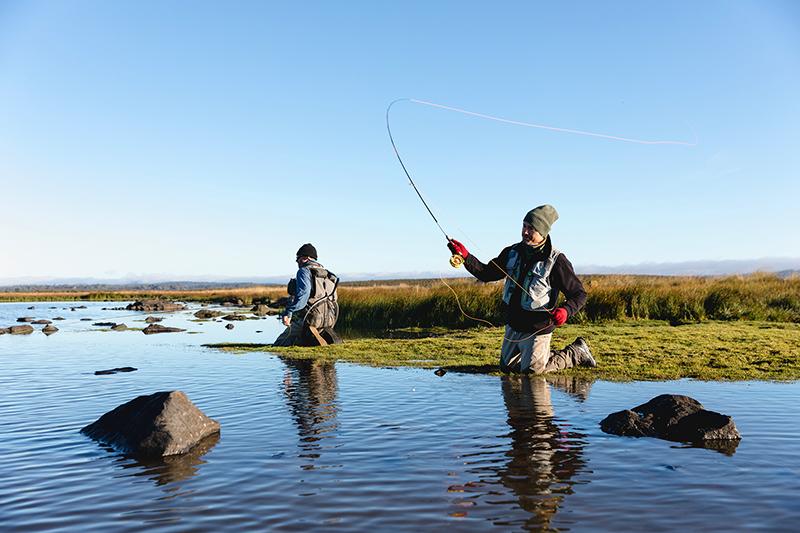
(672,417)
(207,313)
(155,305)
(158,328)
(164,423)
(20,330)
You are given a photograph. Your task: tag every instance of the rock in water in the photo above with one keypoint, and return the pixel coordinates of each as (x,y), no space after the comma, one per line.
(155,305)
(20,330)
(49,329)
(158,328)
(41,322)
(264,310)
(119,327)
(114,370)
(153,319)
(228,326)
(234,317)
(205,314)
(164,423)
(25,319)
(672,417)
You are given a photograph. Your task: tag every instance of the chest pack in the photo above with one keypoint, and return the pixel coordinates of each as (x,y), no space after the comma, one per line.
(537,293)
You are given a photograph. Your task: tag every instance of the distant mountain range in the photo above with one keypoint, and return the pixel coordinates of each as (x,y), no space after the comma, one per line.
(782,266)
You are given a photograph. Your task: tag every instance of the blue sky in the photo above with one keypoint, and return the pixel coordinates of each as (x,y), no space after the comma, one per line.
(190,139)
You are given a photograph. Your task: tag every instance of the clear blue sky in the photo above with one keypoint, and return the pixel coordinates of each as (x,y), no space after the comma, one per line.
(213,138)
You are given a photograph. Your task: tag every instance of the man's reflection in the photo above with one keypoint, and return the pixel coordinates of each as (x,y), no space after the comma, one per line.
(543,457)
(310,388)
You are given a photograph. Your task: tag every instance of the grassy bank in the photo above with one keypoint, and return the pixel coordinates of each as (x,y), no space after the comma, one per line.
(626,350)
(431,303)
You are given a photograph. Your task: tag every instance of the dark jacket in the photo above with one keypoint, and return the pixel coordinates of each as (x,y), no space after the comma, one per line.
(562,278)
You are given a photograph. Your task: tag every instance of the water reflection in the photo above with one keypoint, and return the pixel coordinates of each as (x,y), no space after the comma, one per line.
(310,388)
(173,468)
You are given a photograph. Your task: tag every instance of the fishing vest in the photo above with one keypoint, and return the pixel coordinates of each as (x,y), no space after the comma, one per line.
(537,294)
(322,309)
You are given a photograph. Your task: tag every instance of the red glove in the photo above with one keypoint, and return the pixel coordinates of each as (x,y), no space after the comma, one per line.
(559,316)
(458,248)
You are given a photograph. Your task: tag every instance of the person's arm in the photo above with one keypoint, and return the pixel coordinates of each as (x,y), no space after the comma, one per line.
(570,285)
(491,271)
(302,293)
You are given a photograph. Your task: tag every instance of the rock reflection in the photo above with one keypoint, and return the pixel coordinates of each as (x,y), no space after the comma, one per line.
(310,388)
(174,468)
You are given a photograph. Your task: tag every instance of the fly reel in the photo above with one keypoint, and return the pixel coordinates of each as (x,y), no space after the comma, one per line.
(456,261)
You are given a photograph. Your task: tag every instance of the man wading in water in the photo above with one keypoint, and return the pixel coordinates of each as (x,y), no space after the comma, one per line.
(313,307)
(539,273)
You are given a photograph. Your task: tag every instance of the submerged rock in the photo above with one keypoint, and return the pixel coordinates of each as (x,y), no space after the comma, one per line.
(155,305)
(164,423)
(153,319)
(158,328)
(105,324)
(49,329)
(59,318)
(672,417)
(114,371)
(119,327)
(207,313)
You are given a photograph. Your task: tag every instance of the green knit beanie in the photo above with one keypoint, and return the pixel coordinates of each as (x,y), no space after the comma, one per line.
(542,218)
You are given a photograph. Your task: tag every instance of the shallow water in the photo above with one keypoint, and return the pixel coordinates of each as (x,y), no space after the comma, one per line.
(345,447)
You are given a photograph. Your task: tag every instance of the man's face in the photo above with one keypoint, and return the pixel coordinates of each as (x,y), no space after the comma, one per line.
(530,236)
(301,261)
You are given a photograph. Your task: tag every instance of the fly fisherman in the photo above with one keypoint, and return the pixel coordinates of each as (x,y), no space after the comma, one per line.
(535,273)
(313,306)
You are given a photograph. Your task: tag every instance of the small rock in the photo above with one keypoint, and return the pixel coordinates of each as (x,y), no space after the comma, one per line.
(228,326)
(41,322)
(32,307)
(153,319)
(25,319)
(59,318)
(234,317)
(119,327)
(164,423)
(105,324)
(155,305)
(158,328)
(440,372)
(264,310)
(49,330)
(207,313)
(86,319)
(114,371)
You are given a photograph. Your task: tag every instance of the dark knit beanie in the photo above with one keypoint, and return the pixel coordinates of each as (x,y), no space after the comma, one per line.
(307,250)
(542,218)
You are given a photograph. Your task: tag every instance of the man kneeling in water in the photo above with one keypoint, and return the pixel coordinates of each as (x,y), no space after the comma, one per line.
(313,305)
(535,273)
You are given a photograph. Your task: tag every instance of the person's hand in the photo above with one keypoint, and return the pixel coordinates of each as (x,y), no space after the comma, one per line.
(286,320)
(559,316)
(458,248)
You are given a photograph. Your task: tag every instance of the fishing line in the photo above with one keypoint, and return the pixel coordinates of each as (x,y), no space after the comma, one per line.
(456,260)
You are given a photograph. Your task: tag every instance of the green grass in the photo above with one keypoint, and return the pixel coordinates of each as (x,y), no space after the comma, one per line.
(625,350)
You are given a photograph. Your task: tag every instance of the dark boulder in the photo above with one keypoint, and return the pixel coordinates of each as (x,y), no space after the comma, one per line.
(153,319)
(114,371)
(25,319)
(105,324)
(207,313)
(155,305)
(49,329)
(228,326)
(672,417)
(164,423)
(20,330)
(158,328)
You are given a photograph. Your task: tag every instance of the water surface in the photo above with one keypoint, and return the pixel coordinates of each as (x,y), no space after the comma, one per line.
(317,445)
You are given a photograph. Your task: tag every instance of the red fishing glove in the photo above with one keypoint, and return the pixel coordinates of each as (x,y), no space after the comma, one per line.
(559,316)
(458,248)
